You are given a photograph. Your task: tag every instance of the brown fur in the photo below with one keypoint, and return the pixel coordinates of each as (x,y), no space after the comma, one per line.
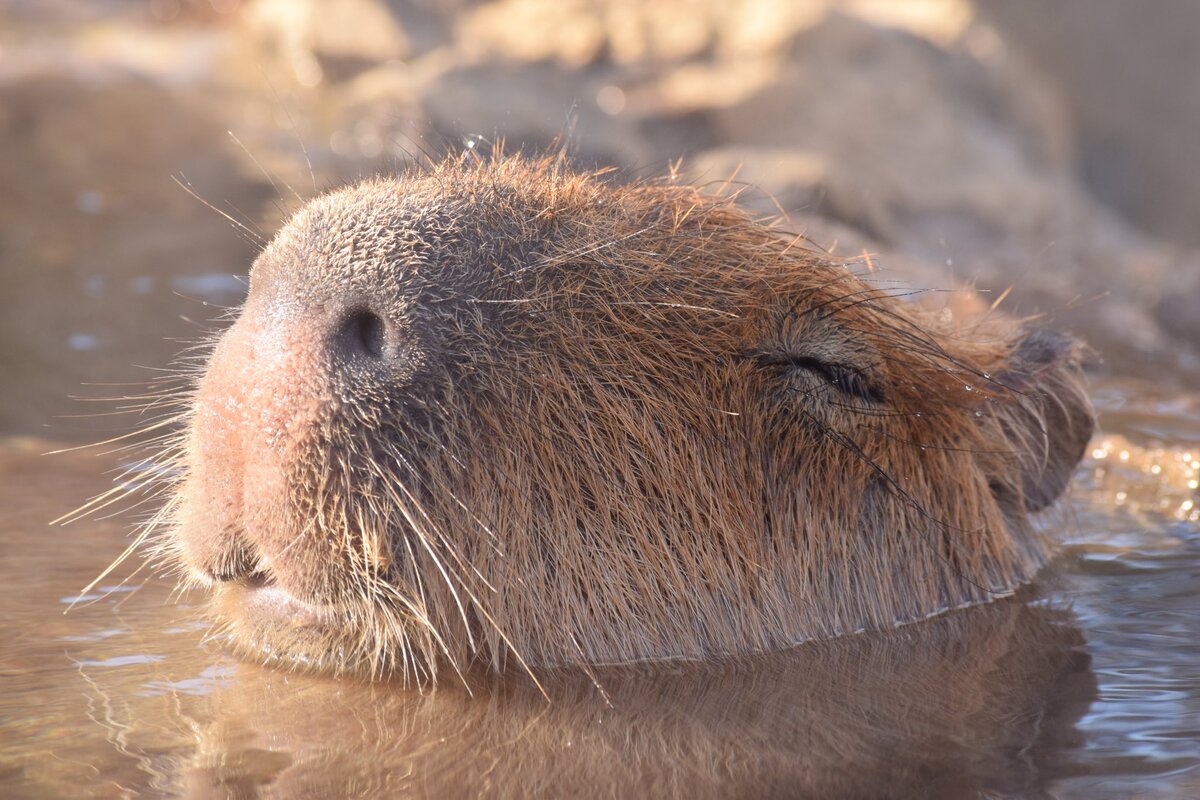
(497,410)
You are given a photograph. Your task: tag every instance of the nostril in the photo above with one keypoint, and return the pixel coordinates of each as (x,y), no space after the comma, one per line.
(363,333)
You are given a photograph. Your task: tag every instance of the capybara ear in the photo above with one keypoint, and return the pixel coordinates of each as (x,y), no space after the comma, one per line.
(1047,417)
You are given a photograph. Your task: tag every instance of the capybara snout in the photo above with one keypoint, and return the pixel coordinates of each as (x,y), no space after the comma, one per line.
(501,412)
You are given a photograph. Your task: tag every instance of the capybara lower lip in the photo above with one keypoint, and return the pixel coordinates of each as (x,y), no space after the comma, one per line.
(271,625)
(267,603)
(270,599)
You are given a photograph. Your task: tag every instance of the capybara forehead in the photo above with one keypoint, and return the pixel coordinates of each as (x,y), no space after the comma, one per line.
(519,232)
(410,235)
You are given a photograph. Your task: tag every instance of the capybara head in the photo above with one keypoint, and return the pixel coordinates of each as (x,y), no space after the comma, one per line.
(500,412)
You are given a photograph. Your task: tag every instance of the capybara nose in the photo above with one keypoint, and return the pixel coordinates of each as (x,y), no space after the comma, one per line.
(359,335)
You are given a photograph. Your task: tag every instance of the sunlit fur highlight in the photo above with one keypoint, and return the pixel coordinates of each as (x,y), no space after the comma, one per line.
(606,440)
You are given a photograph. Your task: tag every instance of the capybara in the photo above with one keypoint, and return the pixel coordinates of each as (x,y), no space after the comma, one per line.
(499,412)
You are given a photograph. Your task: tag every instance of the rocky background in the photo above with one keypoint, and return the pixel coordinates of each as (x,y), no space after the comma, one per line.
(1040,155)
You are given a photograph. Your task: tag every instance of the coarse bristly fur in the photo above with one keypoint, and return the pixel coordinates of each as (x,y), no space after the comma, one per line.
(499,412)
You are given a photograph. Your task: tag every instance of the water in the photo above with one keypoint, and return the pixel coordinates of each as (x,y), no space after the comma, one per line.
(1086,686)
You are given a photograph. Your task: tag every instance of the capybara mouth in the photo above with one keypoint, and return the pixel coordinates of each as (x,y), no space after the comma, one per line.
(497,412)
(267,623)
(272,605)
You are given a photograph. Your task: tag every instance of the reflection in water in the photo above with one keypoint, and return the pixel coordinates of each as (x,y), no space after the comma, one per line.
(968,703)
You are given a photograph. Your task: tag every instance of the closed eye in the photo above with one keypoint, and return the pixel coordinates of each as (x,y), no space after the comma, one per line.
(850,381)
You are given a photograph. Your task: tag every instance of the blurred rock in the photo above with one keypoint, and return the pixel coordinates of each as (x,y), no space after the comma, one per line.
(1179,308)
(338,38)
(1127,73)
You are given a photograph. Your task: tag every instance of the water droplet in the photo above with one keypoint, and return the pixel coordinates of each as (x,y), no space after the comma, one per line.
(83,341)
(89,202)
(611,100)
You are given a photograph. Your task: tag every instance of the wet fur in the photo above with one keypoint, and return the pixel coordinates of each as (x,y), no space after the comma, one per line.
(605,423)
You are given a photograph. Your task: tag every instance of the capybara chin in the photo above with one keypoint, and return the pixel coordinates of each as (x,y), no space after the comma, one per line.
(498,412)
